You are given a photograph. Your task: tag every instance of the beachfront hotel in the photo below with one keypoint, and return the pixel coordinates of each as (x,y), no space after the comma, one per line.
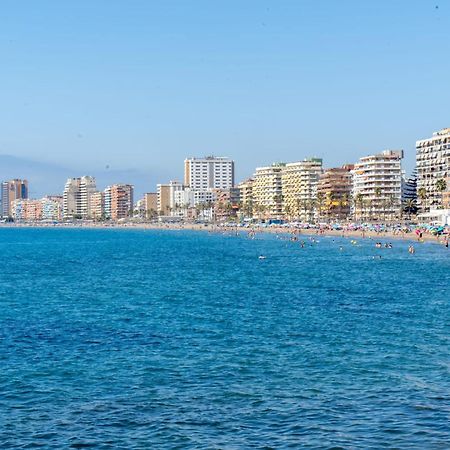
(334,192)
(267,191)
(299,182)
(377,186)
(9,191)
(210,172)
(433,170)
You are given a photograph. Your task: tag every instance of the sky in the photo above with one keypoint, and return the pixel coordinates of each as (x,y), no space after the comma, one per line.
(139,85)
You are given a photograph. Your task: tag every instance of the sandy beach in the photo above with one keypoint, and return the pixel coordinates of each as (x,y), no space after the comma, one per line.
(218,228)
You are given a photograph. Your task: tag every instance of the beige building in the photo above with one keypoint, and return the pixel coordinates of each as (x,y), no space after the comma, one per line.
(166,197)
(97,205)
(433,168)
(151,204)
(246,197)
(334,193)
(267,192)
(299,188)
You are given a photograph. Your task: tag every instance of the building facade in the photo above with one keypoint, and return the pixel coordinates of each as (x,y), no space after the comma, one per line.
(76,197)
(433,169)
(166,197)
(226,203)
(299,188)
(31,210)
(211,172)
(119,201)
(334,193)
(150,204)
(10,191)
(267,192)
(52,207)
(96,205)
(377,186)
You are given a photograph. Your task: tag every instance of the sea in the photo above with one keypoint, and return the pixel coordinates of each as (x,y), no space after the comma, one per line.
(136,339)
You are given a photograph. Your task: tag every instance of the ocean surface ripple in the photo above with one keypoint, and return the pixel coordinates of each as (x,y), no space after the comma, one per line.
(180,339)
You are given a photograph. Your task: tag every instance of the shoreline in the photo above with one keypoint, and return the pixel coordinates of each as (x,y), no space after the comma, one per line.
(355,234)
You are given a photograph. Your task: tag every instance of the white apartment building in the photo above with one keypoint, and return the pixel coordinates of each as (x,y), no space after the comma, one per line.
(211,172)
(87,188)
(377,186)
(433,164)
(267,191)
(77,192)
(188,199)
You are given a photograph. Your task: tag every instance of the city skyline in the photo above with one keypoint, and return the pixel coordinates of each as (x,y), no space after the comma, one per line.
(95,85)
(376,186)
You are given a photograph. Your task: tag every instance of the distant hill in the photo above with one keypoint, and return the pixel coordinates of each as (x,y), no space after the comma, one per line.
(47,178)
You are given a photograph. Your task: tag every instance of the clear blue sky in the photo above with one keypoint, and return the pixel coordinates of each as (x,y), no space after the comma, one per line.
(143,84)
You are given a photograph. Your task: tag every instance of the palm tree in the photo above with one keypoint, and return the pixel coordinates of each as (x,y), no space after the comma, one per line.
(359,200)
(422,194)
(379,205)
(287,211)
(410,207)
(320,198)
(441,186)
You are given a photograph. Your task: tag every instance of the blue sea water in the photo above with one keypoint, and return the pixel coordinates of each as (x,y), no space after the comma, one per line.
(181,339)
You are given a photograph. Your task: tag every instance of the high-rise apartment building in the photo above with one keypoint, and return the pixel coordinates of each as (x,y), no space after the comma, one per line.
(299,188)
(118,201)
(76,197)
(377,186)
(334,192)
(267,191)
(9,191)
(96,205)
(211,172)
(87,189)
(433,169)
